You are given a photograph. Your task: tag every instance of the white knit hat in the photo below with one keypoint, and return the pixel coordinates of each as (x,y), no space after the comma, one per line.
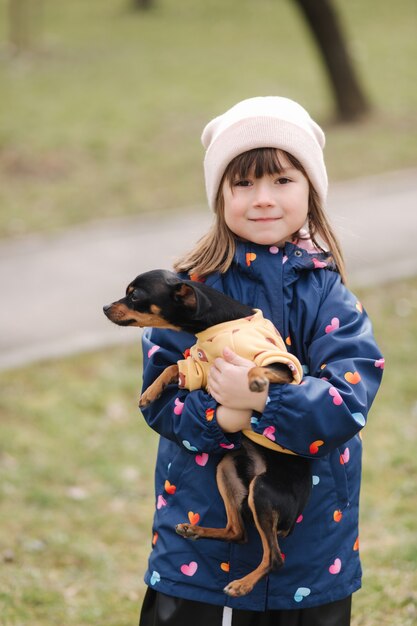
(264,122)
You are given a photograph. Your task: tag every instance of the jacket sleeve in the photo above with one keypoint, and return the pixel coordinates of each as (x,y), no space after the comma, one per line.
(186,417)
(343,372)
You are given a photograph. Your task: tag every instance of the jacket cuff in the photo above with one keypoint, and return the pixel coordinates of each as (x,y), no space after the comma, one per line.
(205,434)
(225,441)
(266,423)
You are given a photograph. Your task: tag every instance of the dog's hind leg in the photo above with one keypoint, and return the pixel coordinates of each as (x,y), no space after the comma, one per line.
(233,492)
(266,520)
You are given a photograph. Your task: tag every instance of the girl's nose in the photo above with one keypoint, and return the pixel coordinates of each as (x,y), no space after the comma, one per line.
(264,193)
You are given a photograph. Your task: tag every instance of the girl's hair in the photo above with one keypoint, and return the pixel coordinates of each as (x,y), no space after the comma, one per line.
(215,250)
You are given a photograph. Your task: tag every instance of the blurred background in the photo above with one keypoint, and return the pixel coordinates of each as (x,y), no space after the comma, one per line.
(102,104)
(101,109)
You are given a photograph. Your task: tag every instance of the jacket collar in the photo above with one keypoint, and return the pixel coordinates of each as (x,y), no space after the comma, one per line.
(271,273)
(295,257)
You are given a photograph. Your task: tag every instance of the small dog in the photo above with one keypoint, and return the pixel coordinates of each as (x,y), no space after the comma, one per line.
(274,486)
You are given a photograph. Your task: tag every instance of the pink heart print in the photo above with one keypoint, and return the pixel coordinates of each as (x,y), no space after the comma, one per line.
(380,363)
(334,325)
(152,351)
(269,432)
(161,502)
(190,569)
(336,567)
(318,264)
(201,459)
(337,398)
(345,456)
(178,406)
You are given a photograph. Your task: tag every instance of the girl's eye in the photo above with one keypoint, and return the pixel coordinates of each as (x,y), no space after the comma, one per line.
(242,183)
(283,181)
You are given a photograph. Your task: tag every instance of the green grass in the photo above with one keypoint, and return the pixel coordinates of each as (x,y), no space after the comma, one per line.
(389,526)
(76,492)
(102,116)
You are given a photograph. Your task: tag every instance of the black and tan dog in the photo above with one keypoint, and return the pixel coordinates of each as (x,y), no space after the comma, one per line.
(273,486)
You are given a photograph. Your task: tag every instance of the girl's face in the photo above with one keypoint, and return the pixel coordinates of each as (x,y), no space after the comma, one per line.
(268,210)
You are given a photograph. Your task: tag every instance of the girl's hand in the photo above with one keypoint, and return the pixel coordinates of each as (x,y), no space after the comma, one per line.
(229,385)
(233,420)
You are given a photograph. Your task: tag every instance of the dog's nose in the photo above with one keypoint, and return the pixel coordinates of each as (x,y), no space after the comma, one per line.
(106,307)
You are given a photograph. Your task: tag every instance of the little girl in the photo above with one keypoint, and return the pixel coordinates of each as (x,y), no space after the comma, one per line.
(271,247)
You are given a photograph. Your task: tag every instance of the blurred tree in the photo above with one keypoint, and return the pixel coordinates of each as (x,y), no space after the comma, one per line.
(323,21)
(24,18)
(142,4)
(18,24)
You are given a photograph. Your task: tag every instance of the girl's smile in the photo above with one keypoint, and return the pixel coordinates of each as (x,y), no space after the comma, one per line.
(265,219)
(267,210)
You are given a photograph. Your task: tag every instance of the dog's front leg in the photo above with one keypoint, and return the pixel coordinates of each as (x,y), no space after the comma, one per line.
(154,391)
(260,377)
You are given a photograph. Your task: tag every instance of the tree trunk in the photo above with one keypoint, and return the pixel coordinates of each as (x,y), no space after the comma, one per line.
(25,21)
(18,24)
(142,5)
(323,21)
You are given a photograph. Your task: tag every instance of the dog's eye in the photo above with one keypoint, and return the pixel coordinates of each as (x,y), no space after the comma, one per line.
(138,295)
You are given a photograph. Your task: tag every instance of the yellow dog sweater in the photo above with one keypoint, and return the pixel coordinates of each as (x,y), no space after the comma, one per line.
(254,338)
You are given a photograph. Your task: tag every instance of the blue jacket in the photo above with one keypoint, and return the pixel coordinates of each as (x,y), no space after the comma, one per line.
(326,327)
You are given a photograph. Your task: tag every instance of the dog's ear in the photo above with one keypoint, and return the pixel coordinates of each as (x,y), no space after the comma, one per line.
(192,298)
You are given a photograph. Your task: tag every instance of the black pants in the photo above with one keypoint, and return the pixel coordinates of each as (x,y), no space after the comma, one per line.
(161,610)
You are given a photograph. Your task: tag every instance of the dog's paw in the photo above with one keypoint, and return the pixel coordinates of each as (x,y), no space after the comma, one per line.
(147,398)
(258,379)
(258,383)
(144,401)
(150,395)
(238,588)
(187,531)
